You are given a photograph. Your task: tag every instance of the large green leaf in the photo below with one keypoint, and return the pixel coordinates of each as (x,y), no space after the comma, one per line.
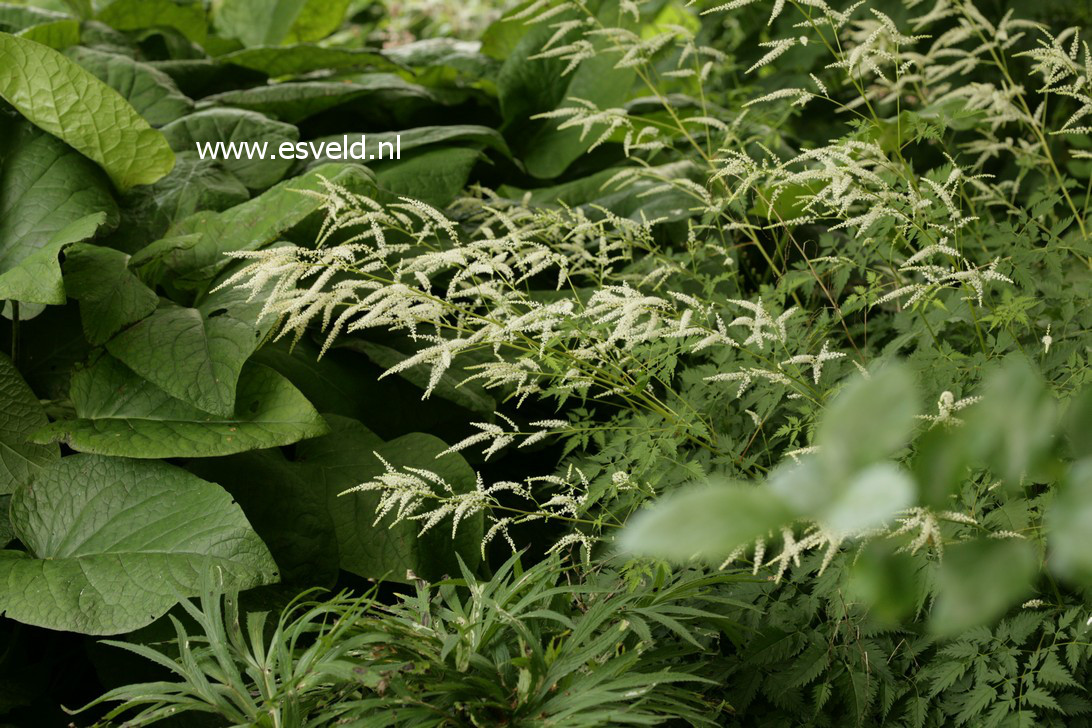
(334,383)
(37,277)
(150,91)
(188,18)
(45,186)
(190,355)
(65,100)
(286,508)
(57,34)
(300,59)
(120,414)
(423,136)
(294,102)
(271,22)
(194,185)
(113,544)
(21,414)
(20,17)
(195,247)
(346,458)
(1069,524)
(7,533)
(978,581)
(235,126)
(868,421)
(433,175)
(344,382)
(111,297)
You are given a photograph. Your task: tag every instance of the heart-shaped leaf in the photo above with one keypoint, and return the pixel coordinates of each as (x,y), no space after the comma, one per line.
(113,544)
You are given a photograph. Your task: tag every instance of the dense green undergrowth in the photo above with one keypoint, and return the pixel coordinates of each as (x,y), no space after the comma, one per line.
(695,364)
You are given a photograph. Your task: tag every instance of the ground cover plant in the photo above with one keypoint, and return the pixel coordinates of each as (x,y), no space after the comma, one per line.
(709,363)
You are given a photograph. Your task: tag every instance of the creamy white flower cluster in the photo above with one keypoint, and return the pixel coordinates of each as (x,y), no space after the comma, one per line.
(416,494)
(408,267)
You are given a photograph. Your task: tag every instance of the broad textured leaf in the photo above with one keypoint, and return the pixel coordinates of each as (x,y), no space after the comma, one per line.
(434,176)
(270,22)
(236,125)
(345,383)
(294,102)
(345,459)
(21,414)
(188,18)
(286,508)
(7,533)
(449,64)
(65,100)
(120,414)
(409,139)
(113,544)
(20,17)
(44,186)
(194,185)
(190,355)
(335,383)
(196,245)
(57,34)
(37,277)
(300,59)
(150,91)
(316,20)
(198,77)
(111,297)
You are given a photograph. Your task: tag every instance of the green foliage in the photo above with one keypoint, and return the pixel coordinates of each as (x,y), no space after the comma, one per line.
(112,544)
(441,657)
(695,363)
(57,96)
